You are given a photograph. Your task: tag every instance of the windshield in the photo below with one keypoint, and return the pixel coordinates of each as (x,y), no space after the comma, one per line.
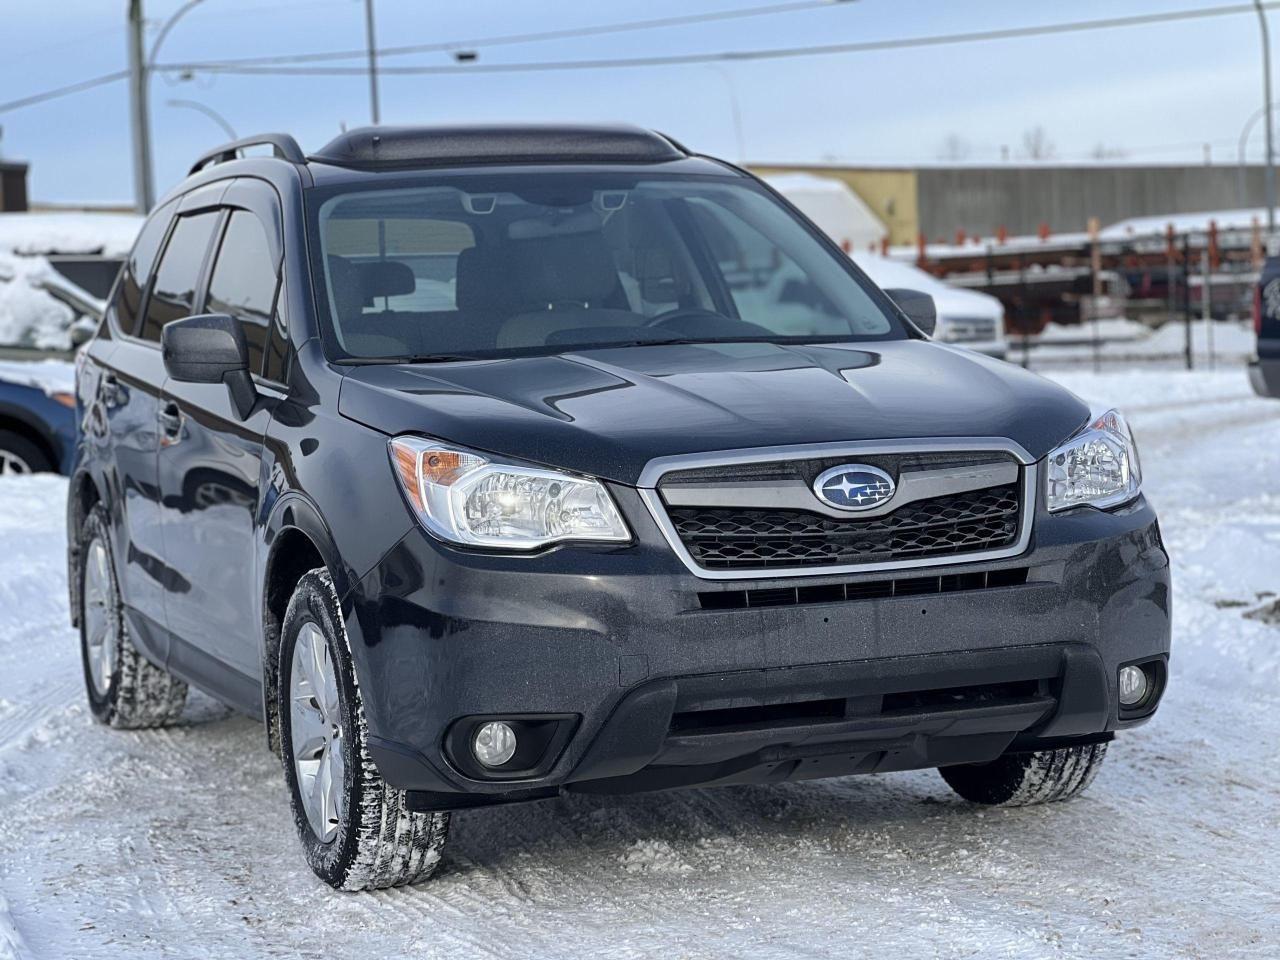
(514,265)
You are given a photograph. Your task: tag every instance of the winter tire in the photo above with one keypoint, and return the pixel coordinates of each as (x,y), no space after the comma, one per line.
(19,456)
(125,689)
(1022,779)
(356,831)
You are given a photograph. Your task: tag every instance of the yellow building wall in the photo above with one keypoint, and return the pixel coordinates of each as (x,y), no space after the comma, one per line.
(891,194)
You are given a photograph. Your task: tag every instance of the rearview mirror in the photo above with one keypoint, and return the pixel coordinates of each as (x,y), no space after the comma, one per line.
(918,307)
(210,348)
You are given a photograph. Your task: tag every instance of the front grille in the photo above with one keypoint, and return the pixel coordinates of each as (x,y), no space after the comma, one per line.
(969,329)
(723,538)
(861,590)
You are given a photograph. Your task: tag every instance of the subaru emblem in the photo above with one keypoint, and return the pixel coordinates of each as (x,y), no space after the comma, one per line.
(854,486)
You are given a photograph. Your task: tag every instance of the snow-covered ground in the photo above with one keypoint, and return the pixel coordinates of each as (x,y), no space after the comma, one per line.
(179,843)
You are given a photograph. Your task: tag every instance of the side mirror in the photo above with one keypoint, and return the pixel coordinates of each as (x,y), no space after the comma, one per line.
(210,348)
(918,307)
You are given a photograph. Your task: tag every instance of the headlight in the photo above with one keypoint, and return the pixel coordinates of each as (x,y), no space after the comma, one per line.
(1098,466)
(467,498)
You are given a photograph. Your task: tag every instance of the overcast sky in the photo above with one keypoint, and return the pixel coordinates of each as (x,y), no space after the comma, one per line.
(1157,92)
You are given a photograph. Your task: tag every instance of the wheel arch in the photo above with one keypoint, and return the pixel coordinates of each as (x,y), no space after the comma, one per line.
(83,493)
(297,540)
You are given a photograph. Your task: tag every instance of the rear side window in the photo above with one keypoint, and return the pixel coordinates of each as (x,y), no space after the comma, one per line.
(173,295)
(244,282)
(137,269)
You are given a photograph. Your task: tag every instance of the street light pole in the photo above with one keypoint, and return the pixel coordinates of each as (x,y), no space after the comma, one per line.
(143,191)
(209,112)
(140,66)
(1266,81)
(373,63)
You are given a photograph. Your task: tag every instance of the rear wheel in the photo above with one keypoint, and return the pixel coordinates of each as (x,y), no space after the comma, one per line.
(125,689)
(19,456)
(1022,779)
(356,830)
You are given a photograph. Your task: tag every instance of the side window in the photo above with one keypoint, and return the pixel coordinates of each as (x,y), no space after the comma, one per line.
(274,364)
(244,282)
(173,295)
(137,269)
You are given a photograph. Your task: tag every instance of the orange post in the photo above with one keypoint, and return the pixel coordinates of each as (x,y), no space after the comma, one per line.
(921,243)
(1214,259)
(1043,232)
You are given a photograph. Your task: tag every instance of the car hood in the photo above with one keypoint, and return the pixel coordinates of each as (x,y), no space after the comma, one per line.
(608,412)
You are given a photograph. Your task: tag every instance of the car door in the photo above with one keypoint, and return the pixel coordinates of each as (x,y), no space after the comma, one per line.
(124,407)
(210,463)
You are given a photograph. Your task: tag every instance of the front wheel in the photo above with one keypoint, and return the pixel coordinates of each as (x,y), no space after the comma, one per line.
(356,831)
(1022,779)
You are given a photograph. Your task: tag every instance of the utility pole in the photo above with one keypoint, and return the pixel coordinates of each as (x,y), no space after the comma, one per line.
(138,115)
(1266,83)
(373,63)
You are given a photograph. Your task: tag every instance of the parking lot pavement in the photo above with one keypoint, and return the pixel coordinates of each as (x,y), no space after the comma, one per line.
(179,842)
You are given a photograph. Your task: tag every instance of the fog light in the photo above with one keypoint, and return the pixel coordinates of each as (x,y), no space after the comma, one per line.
(495,743)
(1133,686)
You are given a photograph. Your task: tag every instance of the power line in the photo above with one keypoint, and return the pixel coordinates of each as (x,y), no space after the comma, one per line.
(64,91)
(566,33)
(738,56)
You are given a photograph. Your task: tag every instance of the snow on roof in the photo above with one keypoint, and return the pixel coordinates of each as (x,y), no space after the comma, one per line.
(30,316)
(30,234)
(1184,223)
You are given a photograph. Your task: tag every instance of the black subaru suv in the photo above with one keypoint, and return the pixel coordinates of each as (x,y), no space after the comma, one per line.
(485,464)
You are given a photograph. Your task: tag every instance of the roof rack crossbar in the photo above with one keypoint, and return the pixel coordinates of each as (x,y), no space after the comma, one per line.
(283,146)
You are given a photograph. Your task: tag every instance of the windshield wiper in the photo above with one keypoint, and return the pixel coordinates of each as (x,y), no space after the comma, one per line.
(679,341)
(423,358)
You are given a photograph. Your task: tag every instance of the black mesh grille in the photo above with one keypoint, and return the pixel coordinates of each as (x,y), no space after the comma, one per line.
(728,537)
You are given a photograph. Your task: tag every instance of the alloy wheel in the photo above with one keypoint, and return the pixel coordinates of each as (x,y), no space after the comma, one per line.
(12,465)
(315,720)
(99,628)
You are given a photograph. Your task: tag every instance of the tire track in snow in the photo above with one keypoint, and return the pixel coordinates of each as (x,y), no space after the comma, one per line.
(55,696)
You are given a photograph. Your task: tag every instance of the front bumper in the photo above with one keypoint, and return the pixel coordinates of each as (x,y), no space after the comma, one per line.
(664,687)
(1264,377)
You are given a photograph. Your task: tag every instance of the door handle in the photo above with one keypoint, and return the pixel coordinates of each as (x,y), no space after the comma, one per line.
(109,390)
(170,417)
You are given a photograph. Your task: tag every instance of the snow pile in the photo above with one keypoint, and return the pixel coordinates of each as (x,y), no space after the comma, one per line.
(1127,340)
(29,315)
(33,234)
(1113,330)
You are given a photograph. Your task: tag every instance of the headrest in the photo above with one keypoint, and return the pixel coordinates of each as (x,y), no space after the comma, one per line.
(574,268)
(483,283)
(385,278)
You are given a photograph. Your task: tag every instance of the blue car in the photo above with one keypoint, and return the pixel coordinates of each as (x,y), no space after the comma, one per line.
(37,416)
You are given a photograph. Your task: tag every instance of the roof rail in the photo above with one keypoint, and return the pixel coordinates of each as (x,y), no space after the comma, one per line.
(283,146)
